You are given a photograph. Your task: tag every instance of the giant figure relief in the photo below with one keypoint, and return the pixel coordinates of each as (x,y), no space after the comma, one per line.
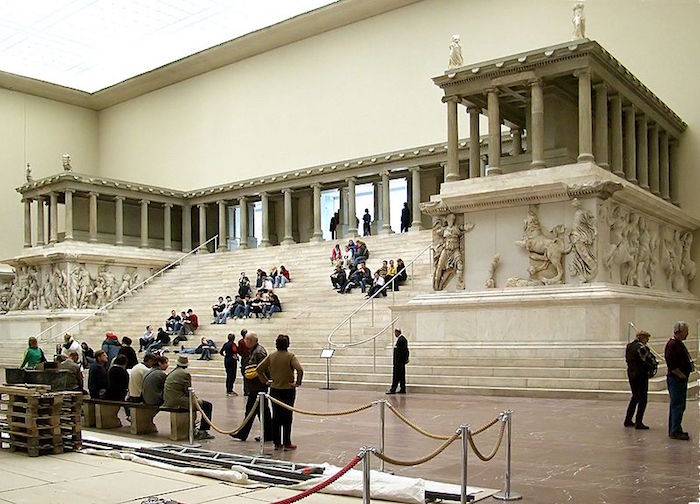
(676,261)
(646,257)
(583,238)
(620,256)
(448,255)
(546,250)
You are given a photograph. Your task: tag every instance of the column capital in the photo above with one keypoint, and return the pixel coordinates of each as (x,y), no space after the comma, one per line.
(351,179)
(220,202)
(287,190)
(614,96)
(201,205)
(69,190)
(93,193)
(145,202)
(316,184)
(493,89)
(600,86)
(27,200)
(629,108)
(451,99)
(384,173)
(412,169)
(582,72)
(119,198)
(641,117)
(242,199)
(536,82)
(263,194)
(167,205)
(473,108)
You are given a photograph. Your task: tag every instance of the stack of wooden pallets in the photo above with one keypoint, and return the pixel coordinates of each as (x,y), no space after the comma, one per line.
(37,421)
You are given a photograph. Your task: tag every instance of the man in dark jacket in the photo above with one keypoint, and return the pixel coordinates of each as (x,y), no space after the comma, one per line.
(405,218)
(679,365)
(400,361)
(256,385)
(97,377)
(640,362)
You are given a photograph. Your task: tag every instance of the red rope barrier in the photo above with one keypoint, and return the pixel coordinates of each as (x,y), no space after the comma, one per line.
(355,460)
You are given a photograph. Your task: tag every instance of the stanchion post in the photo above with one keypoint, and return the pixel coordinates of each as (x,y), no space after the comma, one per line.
(372,312)
(366,452)
(464,434)
(191,429)
(506,494)
(262,396)
(374,354)
(382,407)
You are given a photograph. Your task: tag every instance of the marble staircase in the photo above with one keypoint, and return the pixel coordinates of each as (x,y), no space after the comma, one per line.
(312,309)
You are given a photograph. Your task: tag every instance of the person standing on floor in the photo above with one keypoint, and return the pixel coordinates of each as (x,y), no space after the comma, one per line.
(400,360)
(230,352)
(243,353)
(281,366)
(641,365)
(679,367)
(256,385)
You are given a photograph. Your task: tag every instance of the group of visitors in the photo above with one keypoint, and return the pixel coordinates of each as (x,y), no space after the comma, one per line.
(389,276)
(180,326)
(263,304)
(642,365)
(367,222)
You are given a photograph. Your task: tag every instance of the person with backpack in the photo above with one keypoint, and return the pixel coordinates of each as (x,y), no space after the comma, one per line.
(641,365)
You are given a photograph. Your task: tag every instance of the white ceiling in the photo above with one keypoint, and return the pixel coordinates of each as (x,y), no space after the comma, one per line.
(93,44)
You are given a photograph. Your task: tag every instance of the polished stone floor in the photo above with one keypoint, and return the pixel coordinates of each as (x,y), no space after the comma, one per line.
(563,450)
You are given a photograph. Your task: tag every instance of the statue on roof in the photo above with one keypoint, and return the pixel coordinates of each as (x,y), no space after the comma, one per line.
(579,21)
(66,162)
(28,173)
(456,60)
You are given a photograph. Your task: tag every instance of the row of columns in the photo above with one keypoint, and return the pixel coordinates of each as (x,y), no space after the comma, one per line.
(288,238)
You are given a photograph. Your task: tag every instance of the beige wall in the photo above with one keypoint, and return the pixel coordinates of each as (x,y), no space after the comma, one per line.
(38,131)
(366,88)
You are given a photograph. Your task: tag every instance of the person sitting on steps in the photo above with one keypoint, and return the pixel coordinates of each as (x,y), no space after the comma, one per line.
(217,308)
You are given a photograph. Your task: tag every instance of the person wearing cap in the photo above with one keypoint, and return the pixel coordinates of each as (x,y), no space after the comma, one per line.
(640,364)
(70,345)
(111,346)
(176,395)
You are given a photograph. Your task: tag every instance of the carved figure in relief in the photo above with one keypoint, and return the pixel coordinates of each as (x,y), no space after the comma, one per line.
(28,173)
(491,282)
(579,22)
(546,249)
(643,276)
(687,264)
(65,161)
(4,302)
(671,256)
(620,255)
(32,300)
(583,238)
(456,60)
(81,287)
(19,290)
(59,287)
(104,286)
(449,251)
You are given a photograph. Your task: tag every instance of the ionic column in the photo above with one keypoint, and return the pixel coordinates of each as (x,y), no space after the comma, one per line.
(144,223)
(516,146)
(53,217)
(68,204)
(202,211)
(93,217)
(243,203)
(167,227)
(40,241)
(616,128)
(119,220)
(222,226)
(673,170)
(474,149)
(386,208)
(664,166)
(585,117)
(630,150)
(654,159)
(318,234)
(494,133)
(265,200)
(27,222)
(642,152)
(452,171)
(601,125)
(352,211)
(288,235)
(535,135)
(186,228)
(417,223)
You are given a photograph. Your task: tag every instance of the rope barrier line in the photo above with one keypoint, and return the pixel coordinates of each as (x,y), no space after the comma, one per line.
(435,436)
(253,412)
(488,457)
(320,413)
(422,460)
(320,486)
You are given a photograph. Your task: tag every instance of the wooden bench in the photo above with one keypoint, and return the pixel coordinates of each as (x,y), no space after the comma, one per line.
(102,414)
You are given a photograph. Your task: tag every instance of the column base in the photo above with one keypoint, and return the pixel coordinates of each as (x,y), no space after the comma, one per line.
(288,240)
(537,165)
(222,248)
(264,244)
(317,238)
(203,250)
(92,240)
(416,226)
(167,247)
(451,177)
(619,173)
(352,233)
(645,187)
(605,166)
(493,170)
(118,244)
(585,157)
(386,230)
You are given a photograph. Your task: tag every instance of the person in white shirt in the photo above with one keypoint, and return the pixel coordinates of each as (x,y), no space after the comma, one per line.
(136,378)
(71,345)
(148,338)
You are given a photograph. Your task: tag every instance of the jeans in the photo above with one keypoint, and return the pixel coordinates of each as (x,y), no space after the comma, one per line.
(230,365)
(173,327)
(280,281)
(268,310)
(677,391)
(282,417)
(239,311)
(359,259)
(145,343)
(221,317)
(189,351)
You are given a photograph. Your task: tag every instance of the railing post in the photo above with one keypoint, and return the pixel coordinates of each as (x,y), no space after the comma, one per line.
(374,354)
(464,434)
(366,467)
(393,292)
(262,396)
(191,408)
(372,312)
(506,494)
(382,405)
(350,328)
(411,275)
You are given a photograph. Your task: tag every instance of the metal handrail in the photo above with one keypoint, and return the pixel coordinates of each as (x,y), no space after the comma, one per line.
(373,339)
(371,298)
(630,325)
(214,238)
